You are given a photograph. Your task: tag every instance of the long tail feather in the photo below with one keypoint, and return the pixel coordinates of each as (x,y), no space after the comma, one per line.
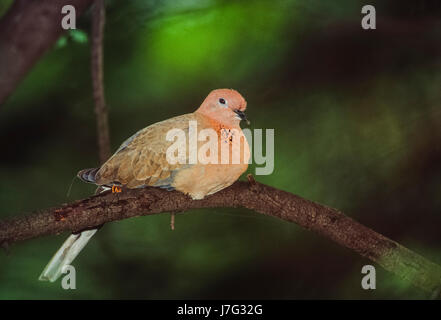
(88,175)
(66,254)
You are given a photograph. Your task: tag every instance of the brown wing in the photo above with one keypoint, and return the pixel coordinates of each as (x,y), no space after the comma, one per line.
(141,159)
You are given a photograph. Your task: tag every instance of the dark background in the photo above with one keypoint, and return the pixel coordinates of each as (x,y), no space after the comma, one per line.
(357,122)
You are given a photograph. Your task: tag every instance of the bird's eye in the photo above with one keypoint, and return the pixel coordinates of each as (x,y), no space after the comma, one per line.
(222,101)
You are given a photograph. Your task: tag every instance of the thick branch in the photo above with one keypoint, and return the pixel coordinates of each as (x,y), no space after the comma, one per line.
(27,30)
(97,80)
(255,196)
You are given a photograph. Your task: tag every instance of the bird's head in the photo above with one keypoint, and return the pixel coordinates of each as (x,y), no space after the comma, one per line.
(226,106)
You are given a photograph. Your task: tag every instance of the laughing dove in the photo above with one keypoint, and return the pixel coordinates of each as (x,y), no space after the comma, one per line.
(212,153)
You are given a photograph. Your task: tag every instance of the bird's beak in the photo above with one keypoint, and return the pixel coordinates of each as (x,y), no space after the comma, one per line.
(242,115)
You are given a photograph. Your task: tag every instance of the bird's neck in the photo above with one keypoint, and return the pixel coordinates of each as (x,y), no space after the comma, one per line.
(217,124)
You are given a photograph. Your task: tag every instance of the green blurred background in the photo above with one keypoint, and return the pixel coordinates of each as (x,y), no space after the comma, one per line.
(357,122)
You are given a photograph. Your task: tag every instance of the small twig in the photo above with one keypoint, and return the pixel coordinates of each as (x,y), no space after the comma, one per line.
(101,112)
(251,179)
(253,184)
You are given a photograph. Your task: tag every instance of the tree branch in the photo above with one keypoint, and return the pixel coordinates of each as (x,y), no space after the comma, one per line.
(27,30)
(261,198)
(101,113)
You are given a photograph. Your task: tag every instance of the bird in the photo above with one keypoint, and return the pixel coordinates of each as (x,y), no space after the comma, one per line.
(144,160)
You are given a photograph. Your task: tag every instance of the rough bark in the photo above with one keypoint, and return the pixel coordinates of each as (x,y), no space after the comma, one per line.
(261,198)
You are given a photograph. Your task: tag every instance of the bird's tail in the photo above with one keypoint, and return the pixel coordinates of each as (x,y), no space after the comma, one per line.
(66,254)
(88,175)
